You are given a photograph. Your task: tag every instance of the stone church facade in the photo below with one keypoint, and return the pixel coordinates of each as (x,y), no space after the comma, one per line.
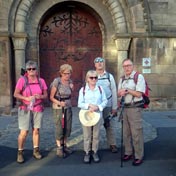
(53,32)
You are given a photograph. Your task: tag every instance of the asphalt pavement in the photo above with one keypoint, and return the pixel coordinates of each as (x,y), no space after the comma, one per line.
(159,160)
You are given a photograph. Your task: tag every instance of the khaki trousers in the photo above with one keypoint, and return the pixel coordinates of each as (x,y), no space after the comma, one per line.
(133,132)
(92,142)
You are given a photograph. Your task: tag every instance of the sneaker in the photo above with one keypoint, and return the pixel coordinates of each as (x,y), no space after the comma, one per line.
(20,158)
(113,148)
(87,158)
(96,157)
(60,153)
(36,153)
(127,157)
(67,150)
(137,162)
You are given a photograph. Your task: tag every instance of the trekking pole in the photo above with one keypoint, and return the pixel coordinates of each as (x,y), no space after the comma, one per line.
(121,119)
(91,152)
(63,130)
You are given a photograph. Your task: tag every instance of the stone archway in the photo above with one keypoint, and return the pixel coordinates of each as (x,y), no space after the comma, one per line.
(25,5)
(22,14)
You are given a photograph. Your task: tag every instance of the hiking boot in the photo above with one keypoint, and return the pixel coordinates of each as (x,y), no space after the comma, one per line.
(68,150)
(60,153)
(96,157)
(36,153)
(87,158)
(20,158)
(113,148)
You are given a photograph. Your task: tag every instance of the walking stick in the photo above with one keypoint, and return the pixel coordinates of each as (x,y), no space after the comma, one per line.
(63,129)
(91,152)
(121,119)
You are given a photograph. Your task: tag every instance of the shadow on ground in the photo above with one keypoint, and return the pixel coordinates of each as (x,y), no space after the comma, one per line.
(159,159)
(163,147)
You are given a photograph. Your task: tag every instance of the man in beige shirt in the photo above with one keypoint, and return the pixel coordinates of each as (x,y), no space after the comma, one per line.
(132,114)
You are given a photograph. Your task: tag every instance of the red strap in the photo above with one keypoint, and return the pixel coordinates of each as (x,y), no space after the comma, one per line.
(84,90)
(136,77)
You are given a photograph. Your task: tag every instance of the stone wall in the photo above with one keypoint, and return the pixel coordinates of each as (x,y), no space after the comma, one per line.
(162,77)
(5,76)
(149,25)
(5,6)
(162,14)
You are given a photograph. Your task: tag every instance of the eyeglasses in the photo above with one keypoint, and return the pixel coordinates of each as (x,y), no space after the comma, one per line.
(93,77)
(127,66)
(97,60)
(29,69)
(66,73)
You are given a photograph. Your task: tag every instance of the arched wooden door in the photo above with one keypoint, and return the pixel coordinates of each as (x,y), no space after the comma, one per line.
(69,35)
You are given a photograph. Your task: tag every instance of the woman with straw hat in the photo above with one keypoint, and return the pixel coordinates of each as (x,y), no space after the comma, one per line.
(92,100)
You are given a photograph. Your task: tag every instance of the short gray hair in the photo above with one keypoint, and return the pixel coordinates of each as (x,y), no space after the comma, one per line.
(127,59)
(90,73)
(31,63)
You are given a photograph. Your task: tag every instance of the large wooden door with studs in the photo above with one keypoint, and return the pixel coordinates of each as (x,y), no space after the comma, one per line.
(70,35)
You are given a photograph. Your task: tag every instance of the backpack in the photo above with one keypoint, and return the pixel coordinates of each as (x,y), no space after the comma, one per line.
(59,83)
(107,77)
(145,95)
(85,87)
(51,85)
(26,83)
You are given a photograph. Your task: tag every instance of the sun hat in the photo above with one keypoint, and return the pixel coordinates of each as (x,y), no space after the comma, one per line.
(98,59)
(88,118)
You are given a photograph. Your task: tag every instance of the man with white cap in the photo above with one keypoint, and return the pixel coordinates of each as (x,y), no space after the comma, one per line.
(106,80)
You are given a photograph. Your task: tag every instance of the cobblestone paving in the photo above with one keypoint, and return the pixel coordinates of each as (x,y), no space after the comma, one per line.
(8,136)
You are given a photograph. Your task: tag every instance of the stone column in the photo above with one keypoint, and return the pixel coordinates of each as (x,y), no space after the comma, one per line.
(19,42)
(122,45)
(5,74)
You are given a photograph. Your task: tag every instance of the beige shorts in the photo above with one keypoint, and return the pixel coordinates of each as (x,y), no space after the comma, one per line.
(29,118)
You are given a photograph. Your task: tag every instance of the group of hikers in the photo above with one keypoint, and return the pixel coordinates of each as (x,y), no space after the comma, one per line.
(97,101)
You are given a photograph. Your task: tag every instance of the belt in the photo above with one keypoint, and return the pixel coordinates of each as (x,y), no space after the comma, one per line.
(62,99)
(136,104)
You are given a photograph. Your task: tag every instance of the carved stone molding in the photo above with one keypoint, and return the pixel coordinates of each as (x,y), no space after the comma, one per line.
(19,41)
(122,44)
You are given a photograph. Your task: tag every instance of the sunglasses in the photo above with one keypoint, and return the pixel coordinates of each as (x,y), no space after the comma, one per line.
(99,60)
(93,77)
(29,69)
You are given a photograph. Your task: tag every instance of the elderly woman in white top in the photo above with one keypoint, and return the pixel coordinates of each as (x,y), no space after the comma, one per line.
(93,98)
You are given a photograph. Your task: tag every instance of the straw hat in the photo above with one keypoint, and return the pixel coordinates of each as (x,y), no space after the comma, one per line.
(88,118)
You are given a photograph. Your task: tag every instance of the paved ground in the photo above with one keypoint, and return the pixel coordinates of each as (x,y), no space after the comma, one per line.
(160,155)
